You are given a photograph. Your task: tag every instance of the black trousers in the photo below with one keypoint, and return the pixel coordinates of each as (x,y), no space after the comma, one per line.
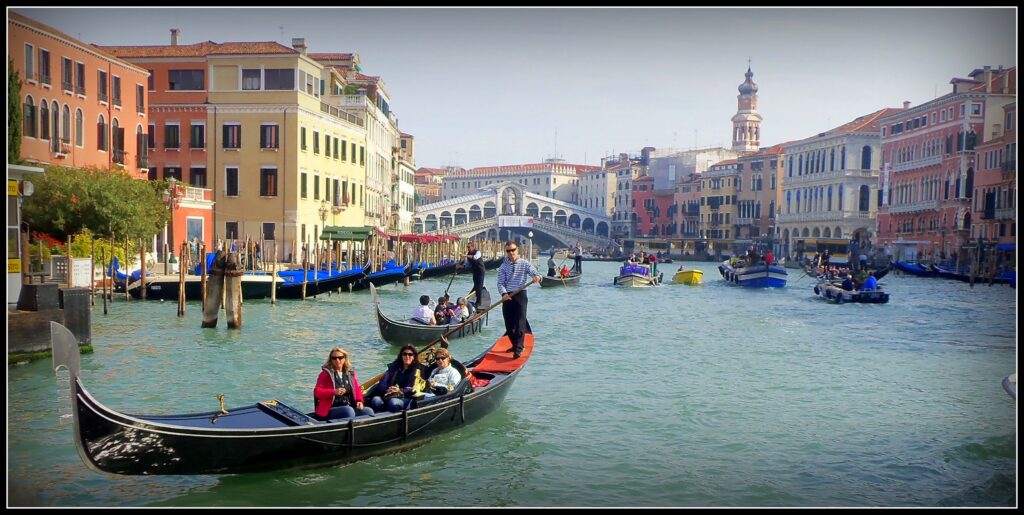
(478,299)
(516,325)
(578,261)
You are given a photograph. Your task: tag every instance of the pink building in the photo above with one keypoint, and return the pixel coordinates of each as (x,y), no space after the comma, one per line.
(995,185)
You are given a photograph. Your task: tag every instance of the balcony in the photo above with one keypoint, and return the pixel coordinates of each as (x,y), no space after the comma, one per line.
(922,205)
(44,79)
(67,86)
(341,114)
(811,217)
(1006,214)
(119,156)
(80,89)
(917,163)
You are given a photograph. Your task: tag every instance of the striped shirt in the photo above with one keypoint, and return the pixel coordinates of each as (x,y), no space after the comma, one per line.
(512,275)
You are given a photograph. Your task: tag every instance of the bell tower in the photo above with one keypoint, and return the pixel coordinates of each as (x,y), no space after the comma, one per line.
(746,123)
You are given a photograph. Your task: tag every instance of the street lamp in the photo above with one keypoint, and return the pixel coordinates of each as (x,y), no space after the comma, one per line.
(530,235)
(171,198)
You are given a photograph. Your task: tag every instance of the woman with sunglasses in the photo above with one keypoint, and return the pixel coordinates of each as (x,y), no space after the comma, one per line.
(402,382)
(337,393)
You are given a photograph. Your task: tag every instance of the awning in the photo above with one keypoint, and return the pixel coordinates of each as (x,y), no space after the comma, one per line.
(339,233)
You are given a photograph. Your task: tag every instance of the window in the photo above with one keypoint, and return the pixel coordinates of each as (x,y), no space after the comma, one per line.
(362,156)
(44,67)
(302,184)
(117,90)
(101,85)
(151,137)
(172,136)
(232,135)
(231,181)
(44,120)
(197,176)
(153,173)
(302,138)
(250,79)
(197,135)
(327,145)
(316,187)
(353,152)
(344,154)
(141,147)
(30,59)
(231,230)
(30,118)
(80,78)
(335,148)
(65,127)
(172,171)
(185,80)
(79,128)
(151,82)
(281,79)
(316,142)
(67,74)
(268,231)
(337,194)
(268,136)
(140,96)
(268,182)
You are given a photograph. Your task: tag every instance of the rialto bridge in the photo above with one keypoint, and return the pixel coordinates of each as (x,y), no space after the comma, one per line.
(507,211)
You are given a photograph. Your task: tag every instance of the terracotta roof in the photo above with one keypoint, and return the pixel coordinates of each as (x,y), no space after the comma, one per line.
(726,162)
(533,167)
(360,76)
(404,135)
(20,18)
(200,49)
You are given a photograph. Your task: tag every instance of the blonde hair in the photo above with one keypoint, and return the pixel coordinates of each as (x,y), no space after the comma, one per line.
(346,364)
(442,353)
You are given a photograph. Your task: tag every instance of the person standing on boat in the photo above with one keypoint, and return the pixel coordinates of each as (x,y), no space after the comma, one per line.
(474,260)
(769,258)
(511,276)
(578,258)
(551,265)
(337,393)
(402,382)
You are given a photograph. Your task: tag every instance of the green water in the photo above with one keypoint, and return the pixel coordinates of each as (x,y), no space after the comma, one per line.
(670,396)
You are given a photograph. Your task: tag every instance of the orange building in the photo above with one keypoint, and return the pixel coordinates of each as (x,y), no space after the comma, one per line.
(81,106)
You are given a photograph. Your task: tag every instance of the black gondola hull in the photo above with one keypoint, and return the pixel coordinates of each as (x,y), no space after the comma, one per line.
(550,282)
(402,333)
(168,289)
(313,288)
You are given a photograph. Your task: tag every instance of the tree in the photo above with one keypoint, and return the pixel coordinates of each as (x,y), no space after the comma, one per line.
(13,113)
(69,200)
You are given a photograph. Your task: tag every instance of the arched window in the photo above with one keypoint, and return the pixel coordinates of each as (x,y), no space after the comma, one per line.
(970,183)
(865,158)
(830,198)
(840,197)
(101,134)
(832,160)
(65,128)
(44,120)
(842,158)
(789,204)
(30,117)
(865,198)
(79,128)
(55,126)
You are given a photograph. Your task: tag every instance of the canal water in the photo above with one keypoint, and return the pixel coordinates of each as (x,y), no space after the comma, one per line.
(672,396)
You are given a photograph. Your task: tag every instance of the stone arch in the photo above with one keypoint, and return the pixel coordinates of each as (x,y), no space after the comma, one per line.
(446,219)
(490,210)
(431,223)
(588,225)
(475,213)
(532,210)
(417,225)
(511,201)
(838,233)
(560,217)
(816,233)
(460,216)
(806,233)
(574,221)
(602,229)
(827,233)
(546,214)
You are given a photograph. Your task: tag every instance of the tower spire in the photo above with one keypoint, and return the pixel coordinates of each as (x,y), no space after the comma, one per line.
(746,123)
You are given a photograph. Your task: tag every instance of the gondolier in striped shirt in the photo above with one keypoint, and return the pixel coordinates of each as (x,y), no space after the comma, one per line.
(515,272)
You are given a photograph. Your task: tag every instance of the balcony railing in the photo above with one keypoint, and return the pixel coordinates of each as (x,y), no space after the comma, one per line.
(67,86)
(341,114)
(1005,214)
(1009,166)
(80,89)
(45,79)
(102,95)
(119,157)
(917,163)
(921,205)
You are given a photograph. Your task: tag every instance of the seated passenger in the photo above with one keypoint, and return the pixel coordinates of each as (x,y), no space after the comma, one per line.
(848,283)
(445,377)
(337,393)
(564,272)
(871,284)
(444,311)
(402,382)
(462,309)
(423,314)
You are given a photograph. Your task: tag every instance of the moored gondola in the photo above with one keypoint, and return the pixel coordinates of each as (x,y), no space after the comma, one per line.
(397,332)
(271,435)
(316,284)
(548,281)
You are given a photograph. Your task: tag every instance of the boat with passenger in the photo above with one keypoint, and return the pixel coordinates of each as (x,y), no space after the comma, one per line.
(636,275)
(834,293)
(739,272)
(692,276)
(398,332)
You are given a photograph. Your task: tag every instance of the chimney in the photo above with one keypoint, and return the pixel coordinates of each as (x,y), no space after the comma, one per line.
(1006,82)
(906,104)
(174,37)
(988,79)
(299,44)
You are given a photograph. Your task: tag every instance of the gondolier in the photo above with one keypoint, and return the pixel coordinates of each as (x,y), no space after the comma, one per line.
(515,272)
(475,262)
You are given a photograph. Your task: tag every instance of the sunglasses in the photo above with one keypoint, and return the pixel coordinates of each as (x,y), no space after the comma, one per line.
(443,357)
(511,250)
(337,357)
(408,354)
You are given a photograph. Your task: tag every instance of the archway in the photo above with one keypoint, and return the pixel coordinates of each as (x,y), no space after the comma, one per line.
(431,223)
(446,219)
(460,216)
(560,217)
(532,210)
(545,214)
(602,229)
(827,233)
(574,221)
(588,225)
(490,210)
(475,213)
(815,233)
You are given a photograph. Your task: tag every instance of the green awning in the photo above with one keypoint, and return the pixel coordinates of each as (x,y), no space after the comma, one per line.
(339,233)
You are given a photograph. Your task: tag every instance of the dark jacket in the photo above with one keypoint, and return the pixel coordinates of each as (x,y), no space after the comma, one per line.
(412,380)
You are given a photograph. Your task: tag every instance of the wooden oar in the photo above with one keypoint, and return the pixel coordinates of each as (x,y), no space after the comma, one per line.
(456,271)
(375,380)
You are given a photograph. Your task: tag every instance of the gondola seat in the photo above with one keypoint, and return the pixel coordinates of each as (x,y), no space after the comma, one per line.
(463,387)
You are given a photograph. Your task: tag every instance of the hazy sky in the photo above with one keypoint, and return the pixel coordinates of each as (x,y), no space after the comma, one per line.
(486,87)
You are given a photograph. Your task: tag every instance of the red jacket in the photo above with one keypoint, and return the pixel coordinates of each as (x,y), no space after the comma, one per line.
(323,392)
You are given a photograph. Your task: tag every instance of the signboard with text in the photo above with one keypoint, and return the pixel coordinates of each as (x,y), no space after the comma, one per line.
(515,221)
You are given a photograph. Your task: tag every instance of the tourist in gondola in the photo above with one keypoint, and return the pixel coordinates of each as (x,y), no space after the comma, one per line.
(337,393)
(402,382)
(445,311)
(422,313)
(475,262)
(445,377)
(514,274)
(462,309)
(871,284)
(564,272)
(848,283)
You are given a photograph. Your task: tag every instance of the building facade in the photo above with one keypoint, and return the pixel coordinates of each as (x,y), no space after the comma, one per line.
(552,178)
(931,156)
(995,196)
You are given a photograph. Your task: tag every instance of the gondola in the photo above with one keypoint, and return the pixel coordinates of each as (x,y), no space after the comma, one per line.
(271,435)
(316,284)
(397,332)
(391,273)
(573,279)
(837,295)
(165,287)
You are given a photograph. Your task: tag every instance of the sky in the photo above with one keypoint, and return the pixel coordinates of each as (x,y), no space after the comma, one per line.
(489,87)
